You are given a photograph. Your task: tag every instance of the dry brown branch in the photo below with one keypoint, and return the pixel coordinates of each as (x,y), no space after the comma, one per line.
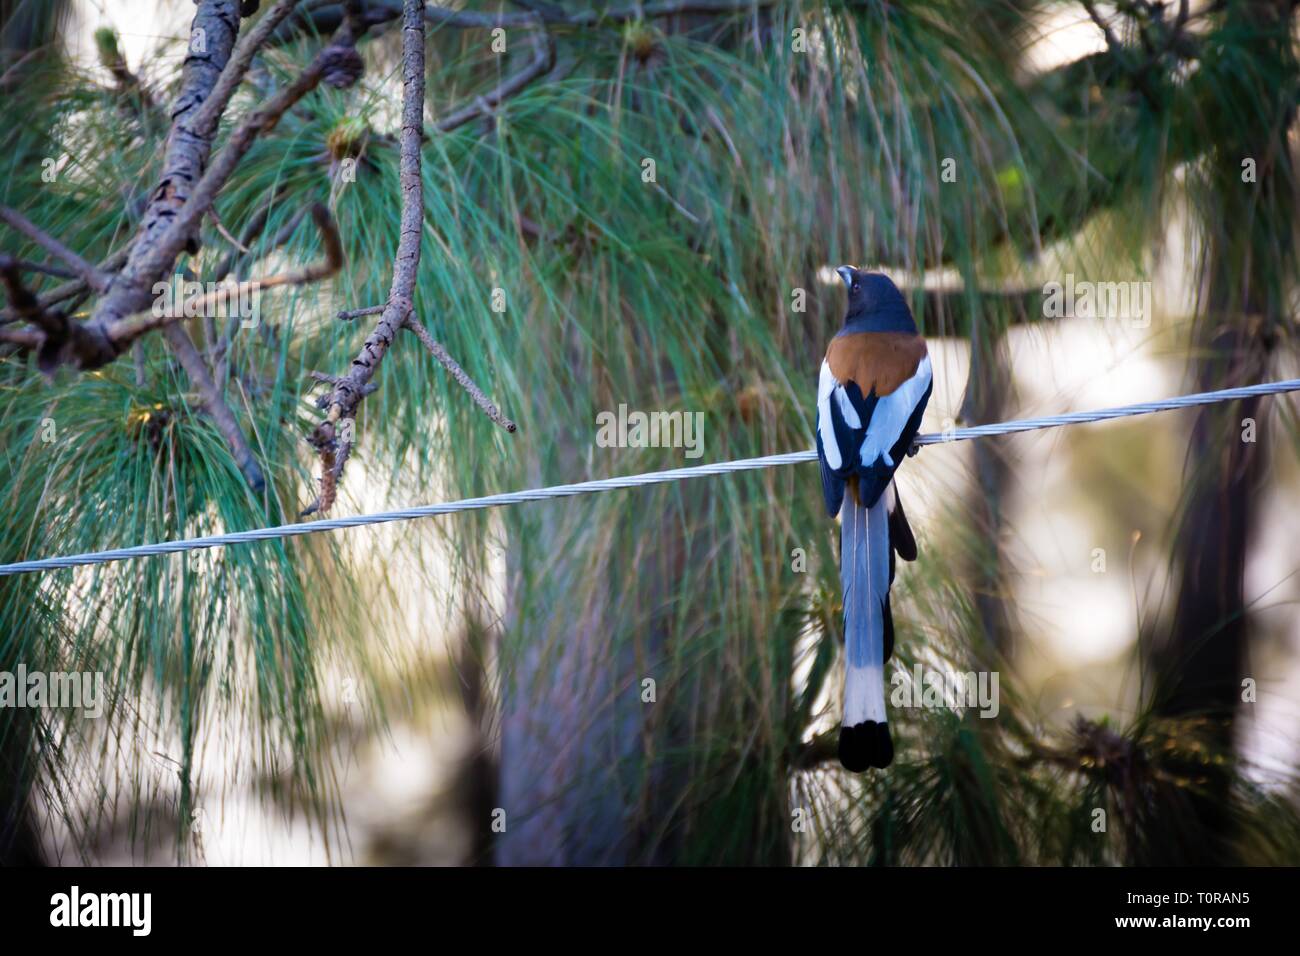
(73,289)
(252,230)
(542,62)
(453,368)
(212,402)
(22,225)
(155,257)
(24,302)
(59,272)
(219,355)
(347,315)
(123,332)
(226,233)
(27,340)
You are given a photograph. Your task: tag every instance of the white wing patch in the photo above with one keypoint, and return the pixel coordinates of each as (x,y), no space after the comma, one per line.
(888,418)
(891,413)
(826,386)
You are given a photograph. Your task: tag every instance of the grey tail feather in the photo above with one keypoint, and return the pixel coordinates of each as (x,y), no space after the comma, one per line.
(864,575)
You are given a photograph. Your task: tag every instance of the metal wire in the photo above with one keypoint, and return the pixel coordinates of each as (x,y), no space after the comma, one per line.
(628,481)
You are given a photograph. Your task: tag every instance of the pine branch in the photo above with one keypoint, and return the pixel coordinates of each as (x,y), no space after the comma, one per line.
(125,331)
(350,389)
(542,62)
(462,379)
(91,276)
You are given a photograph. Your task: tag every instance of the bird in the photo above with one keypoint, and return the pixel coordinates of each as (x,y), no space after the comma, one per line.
(873,388)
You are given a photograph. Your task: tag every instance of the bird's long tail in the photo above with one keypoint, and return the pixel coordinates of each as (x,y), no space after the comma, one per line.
(865,579)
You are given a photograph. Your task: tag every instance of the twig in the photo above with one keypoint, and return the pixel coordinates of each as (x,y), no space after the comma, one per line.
(70,290)
(21,224)
(225,233)
(462,379)
(14,71)
(25,304)
(220,357)
(57,333)
(347,315)
(542,62)
(27,340)
(1138,74)
(46,268)
(252,231)
(215,405)
(127,330)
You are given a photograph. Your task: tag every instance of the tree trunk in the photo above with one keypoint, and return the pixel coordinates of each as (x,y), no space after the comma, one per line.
(570,729)
(1249,261)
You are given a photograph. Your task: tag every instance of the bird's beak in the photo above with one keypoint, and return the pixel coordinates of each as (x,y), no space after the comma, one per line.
(846,273)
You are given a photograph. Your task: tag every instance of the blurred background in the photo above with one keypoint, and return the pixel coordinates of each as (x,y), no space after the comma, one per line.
(471,690)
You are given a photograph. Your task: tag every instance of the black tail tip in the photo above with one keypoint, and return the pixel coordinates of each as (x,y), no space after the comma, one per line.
(864,745)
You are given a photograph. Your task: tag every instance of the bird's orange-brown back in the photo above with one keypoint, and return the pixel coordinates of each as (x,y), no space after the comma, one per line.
(879,360)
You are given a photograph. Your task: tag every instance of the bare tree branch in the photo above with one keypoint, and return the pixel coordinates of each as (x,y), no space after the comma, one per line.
(252,230)
(347,393)
(24,302)
(542,62)
(26,340)
(70,290)
(124,331)
(401,292)
(347,315)
(215,405)
(59,272)
(462,379)
(58,334)
(21,224)
(336,63)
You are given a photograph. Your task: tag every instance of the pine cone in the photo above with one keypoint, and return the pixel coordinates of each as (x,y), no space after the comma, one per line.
(343,66)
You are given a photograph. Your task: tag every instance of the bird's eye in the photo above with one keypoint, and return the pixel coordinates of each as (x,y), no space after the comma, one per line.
(855,285)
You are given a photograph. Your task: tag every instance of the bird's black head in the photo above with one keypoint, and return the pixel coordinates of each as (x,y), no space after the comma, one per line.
(875,304)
